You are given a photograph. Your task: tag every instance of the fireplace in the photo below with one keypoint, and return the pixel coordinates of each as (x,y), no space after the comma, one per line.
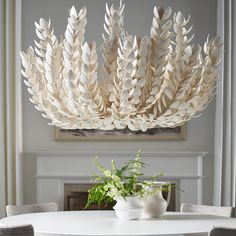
(75,198)
(66,176)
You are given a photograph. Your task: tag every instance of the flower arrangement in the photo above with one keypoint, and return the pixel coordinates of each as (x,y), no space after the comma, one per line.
(122,183)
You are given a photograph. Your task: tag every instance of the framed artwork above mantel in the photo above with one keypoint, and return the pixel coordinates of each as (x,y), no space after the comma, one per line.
(156,134)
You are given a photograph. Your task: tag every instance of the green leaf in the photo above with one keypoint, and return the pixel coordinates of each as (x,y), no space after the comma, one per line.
(120,182)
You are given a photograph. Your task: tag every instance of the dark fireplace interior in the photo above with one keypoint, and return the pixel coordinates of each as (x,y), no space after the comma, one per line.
(75,198)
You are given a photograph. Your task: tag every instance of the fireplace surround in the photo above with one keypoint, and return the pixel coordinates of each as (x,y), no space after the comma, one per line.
(57,170)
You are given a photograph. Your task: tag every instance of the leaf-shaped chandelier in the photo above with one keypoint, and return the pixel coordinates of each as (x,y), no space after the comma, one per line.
(161,80)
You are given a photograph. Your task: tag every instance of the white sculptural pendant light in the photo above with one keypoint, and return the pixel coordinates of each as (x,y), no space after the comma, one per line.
(160,80)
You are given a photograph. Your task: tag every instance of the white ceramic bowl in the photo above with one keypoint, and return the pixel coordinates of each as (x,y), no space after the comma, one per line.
(128,214)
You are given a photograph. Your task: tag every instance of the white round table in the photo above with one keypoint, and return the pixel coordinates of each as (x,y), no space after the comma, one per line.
(97,223)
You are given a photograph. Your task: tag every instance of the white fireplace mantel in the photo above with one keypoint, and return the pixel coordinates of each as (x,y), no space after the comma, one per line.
(56,169)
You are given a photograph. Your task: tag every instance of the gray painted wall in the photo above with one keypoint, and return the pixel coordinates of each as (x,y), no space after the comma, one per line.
(38,136)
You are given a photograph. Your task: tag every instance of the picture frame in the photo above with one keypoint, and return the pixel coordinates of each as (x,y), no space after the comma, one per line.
(156,134)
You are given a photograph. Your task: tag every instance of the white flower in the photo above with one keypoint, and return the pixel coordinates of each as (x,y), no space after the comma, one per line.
(107,173)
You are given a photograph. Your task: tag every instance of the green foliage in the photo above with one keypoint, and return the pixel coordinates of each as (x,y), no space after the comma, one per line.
(121,182)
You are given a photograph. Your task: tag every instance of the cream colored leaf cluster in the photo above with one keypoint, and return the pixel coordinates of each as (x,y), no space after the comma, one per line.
(160,80)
